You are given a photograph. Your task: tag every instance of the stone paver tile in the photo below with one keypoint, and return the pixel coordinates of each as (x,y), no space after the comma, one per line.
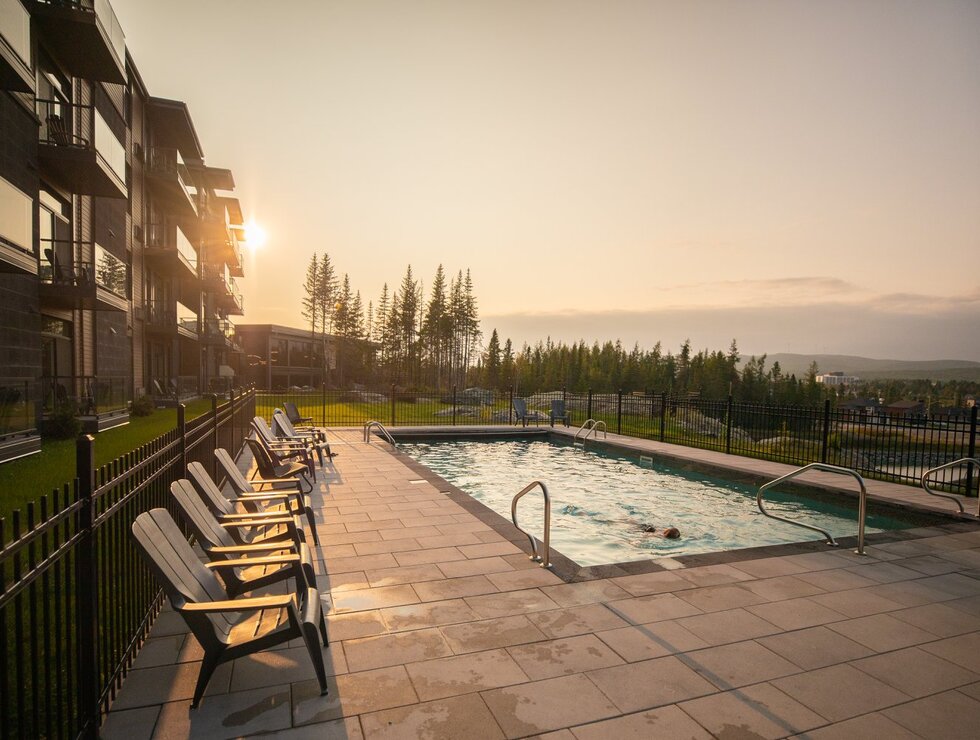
(885,572)
(403,574)
(511,602)
(970,605)
(355,624)
(972,690)
(738,664)
(382,546)
(564,656)
(956,584)
(882,632)
(450,540)
(412,532)
(794,614)
(373,598)
(360,562)
(856,602)
(585,592)
(336,552)
(963,650)
(489,549)
(280,667)
(131,724)
(915,672)
(530,578)
(713,575)
(367,525)
(653,608)
(462,674)
(771,567)
(479,566)
(840,692)
(662,722)
(814,648)
(782,587)
(469,527)
(366,653)
(168,683)
(576,620)
(519,561)
(652,583)
(874,725)
(227,716)
(352,694)
(164,650)
(444,719)
(347,728)
(650,641)
(556,735)
(341,581)
(471,637)
(454,588)
(541,706)
(430,614)
(910,593)
(948,715)
(650,683)
(733,625)
(838,579)
(436,555)
(760,711)
(931,565)
(940,619)
(717,598)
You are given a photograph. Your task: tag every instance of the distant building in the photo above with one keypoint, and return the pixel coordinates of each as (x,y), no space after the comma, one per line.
(278,357)
(837,378)
(905,409)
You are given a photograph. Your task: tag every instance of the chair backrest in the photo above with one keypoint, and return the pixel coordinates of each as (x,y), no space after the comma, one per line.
(183,578)
(557,407)
(262,429)
(292,413)
(198,516)
(263,460)
(236,479)
(520,407)
(280,419)
(208,490)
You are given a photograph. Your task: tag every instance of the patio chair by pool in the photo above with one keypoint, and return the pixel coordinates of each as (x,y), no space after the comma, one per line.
(522,414)
(282,448)
(292,413)
(284,428)
(245,567)
(558,411)
(270,466)
(225,628)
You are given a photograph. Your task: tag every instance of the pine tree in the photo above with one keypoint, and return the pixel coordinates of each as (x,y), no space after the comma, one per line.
(311,294)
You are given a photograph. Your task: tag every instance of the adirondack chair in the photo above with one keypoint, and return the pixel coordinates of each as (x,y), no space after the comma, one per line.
(558,411)
(268,466)
(283,449)
(227,510)
(522,414)
(245,490)
(292,413)
(225,628)
(262,567)
(284,428)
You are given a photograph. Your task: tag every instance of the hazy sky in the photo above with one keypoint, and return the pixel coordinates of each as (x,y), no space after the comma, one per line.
(804,176)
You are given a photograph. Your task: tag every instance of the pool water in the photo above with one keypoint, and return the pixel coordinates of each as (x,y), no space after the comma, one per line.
(600,502)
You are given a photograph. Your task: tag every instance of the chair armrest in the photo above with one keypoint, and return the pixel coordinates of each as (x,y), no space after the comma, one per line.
(274,482)
(246,562)
(239,605)
(262,547)
(256,516)
(266,496)
(256,522)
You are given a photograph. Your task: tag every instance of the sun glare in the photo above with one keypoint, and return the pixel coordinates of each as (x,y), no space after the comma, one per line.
(254,235)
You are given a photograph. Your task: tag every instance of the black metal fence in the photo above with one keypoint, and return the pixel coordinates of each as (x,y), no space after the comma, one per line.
(76,601)
(877,445)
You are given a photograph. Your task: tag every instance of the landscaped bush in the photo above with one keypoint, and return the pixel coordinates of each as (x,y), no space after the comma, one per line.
(63,422)
(143,406)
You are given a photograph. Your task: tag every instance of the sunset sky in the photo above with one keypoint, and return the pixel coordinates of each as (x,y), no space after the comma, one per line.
(803,176)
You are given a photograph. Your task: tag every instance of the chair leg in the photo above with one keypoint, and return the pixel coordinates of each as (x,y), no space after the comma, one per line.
(312,520)
(210,662)
(313,647)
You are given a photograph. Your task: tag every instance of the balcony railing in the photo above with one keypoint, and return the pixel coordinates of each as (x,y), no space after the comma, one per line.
(15,47)
(107,271)
(169,237)
(87,35)
(18,414)
(165,163)
(16,230)
(87,395)
(175,388)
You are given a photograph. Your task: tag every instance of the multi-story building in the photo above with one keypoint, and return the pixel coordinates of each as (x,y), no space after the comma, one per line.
(118,245)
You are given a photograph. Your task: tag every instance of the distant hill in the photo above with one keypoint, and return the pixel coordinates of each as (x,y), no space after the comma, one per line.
(868,368)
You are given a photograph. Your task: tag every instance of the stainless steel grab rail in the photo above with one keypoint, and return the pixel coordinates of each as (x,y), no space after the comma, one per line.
(546,560)
(369,425)
(955,463)
(589,429)
(862,500)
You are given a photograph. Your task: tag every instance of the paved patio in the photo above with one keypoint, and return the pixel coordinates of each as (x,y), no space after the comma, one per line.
(441,627)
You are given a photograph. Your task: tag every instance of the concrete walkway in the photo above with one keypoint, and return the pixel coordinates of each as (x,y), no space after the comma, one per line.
(441,627)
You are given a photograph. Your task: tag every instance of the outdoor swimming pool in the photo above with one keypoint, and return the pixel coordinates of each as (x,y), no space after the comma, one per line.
(601,502)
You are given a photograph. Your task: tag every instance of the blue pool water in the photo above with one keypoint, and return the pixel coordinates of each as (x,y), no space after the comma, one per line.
(600,502)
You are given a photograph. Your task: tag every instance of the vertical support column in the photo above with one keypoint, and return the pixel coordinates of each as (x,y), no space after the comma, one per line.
(454,405)
(214,432)
(619,411)
(728,426)
(182,446)
(323,404)
(663,416)
(510,408)
(86,592)
(393,404)
(972,450)
(825,434)
(589,414)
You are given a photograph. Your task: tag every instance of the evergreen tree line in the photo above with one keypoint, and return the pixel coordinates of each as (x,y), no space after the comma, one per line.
(405,339)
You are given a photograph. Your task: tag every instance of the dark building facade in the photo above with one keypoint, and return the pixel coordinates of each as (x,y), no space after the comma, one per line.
(278,357)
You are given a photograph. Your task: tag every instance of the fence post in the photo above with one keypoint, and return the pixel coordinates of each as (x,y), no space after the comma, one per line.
(619,412)
(825,435)
(589,414)
(86,592)
(510,408)
(393,404)
(454,405)
(182,447)
(323,404)
(663,417)
(728,426)
(214,432)
(972,450)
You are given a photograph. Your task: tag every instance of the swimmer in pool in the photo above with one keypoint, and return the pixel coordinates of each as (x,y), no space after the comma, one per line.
(670,533)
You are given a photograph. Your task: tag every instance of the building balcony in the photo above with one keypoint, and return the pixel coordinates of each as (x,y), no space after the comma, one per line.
(17,253)
(78,151)
(18,419)
(169,318)
(218,281)
(15,47)
(101,402)
(68,283)
(86,37)
(170,391)
(168,178)
(170,253)
(218,333)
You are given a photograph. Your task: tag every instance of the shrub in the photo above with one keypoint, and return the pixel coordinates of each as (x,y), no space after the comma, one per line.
(143,406)
(63,422)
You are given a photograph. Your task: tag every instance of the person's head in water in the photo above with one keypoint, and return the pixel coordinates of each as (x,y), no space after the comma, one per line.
(672,533)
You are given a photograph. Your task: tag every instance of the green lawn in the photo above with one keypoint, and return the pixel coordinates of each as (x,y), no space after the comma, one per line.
(31,477)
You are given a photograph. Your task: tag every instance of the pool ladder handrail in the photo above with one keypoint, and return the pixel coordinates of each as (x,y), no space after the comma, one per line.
(546,560)
(862,500)
(924,480)
(374,424)
(589,429)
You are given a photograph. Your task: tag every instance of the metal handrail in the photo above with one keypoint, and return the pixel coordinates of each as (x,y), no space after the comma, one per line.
(373,424)
(862,500)
(546,560)
(589,429)
(955,463)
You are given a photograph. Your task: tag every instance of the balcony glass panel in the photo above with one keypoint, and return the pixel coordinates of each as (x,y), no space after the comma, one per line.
(15,27)
(111,272)
(111,26)
(108,146)
(186,249)
(16,217)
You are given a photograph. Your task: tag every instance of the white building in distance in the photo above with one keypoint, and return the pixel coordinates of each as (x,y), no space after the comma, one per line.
(837,379)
